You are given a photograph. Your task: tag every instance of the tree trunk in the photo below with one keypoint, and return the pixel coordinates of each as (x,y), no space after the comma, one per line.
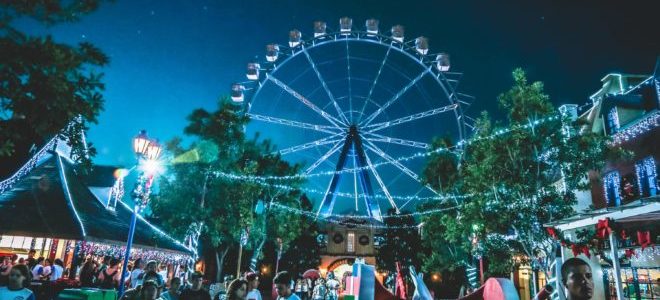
(255,255)
(219,263)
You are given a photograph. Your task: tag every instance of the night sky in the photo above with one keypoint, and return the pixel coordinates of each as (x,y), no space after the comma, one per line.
(170,57)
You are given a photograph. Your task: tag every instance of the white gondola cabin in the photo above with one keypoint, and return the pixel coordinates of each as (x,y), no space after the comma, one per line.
(237,92)
(295,38)
(253,71)
(319,28)
(422,45)
(442,62)
(397,33)
(345,25)
(372,27)
(272,52)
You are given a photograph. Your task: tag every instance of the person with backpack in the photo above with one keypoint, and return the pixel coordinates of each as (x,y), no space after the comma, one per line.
(109,277)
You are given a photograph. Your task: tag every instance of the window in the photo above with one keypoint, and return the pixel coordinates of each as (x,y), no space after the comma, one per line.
(613,121)
(350,242)
(647,177)
(611,183)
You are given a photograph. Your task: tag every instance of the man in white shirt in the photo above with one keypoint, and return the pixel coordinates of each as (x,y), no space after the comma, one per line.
(283,285)
(252,286)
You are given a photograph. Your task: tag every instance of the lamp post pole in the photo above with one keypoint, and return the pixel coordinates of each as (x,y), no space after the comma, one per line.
(146,150)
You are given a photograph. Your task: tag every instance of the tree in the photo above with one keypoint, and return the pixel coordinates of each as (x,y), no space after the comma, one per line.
(511,174)
(304,253)
(46,84)
(199,189)
(401,243)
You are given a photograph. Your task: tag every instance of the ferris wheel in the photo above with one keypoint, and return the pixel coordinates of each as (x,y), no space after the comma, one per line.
(356,108)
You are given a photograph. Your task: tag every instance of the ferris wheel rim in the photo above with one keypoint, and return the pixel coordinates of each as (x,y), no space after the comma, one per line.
(376,39)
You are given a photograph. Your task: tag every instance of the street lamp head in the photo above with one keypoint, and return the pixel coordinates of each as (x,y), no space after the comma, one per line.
(153,150)
(140,143)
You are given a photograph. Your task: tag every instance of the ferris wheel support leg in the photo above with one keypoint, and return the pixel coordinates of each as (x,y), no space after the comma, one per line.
(328,203)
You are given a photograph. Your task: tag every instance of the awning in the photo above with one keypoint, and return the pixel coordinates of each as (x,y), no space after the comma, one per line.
(640,211)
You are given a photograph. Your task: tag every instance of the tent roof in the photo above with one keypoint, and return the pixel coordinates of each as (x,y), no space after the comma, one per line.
(51,200)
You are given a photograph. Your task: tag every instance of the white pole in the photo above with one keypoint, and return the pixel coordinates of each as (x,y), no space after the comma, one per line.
(559,260)
(614,248)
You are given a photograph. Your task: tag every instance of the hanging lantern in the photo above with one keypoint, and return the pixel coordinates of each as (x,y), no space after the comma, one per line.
(397,33)
(259,208)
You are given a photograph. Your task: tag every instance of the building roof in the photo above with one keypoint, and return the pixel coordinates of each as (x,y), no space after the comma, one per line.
(645,210)
(51,200)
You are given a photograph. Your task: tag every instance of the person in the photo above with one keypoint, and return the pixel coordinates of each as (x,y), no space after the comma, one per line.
(150,291)
(109,277)
(320,290)
(152,266)
(19,280)
(577,279)
(195,292)
(163,271)
(283,283)
(14,257)
(136,274)
(5,268)
(87,273)
(136,293)
(38,268)
(47,270)
(58,270)
(104,265)
(173,292)
(21,261)
(252,286)
(298,288)
(31,262)
(333,287)
(237,290)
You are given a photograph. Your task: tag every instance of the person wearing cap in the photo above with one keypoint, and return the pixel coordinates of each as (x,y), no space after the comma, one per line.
(252,286)
(195,291)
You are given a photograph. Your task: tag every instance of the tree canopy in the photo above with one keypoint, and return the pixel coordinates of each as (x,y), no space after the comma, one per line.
(517,175)
(45,84)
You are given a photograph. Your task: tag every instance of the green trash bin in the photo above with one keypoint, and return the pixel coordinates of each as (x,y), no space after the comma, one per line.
(81,294)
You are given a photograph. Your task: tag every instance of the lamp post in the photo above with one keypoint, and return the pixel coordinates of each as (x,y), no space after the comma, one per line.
(147,152)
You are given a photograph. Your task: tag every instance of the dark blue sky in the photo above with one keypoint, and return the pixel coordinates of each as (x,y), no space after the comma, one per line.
(169,57)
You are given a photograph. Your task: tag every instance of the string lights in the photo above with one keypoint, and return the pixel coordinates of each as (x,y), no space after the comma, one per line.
(648,123)
(8,183)
(102,249)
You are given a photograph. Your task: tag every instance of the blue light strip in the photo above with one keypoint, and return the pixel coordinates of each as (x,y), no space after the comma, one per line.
(68,194)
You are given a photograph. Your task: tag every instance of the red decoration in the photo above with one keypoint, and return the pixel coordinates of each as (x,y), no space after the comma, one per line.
(552,232)
(577,249)
(644,239)
(603,228)
(400,283)
(630,253)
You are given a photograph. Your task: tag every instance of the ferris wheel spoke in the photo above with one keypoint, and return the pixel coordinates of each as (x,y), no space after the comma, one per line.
(340,112)
(381,183)
(397,164)
(350,85)
(322,128)
(334,121)
(386,139)
(323,158)
(395,98)
(378,126)
(375,81)
(319,142)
